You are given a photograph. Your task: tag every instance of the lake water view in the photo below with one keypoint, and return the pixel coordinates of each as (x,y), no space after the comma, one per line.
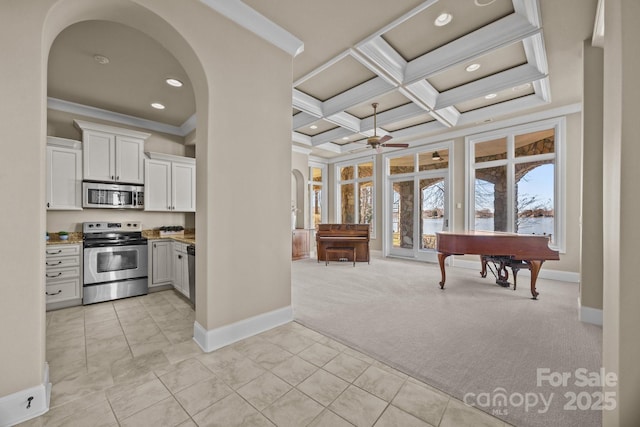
(540,225)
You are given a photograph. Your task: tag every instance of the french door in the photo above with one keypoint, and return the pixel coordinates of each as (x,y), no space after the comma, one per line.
(417,209)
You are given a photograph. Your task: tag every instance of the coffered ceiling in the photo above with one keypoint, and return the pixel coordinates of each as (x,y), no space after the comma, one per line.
(487,63)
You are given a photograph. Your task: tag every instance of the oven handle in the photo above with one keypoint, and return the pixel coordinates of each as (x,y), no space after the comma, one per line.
(112,244)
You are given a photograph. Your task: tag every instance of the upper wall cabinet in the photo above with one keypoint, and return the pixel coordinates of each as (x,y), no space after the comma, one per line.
(64,174)
(112,154)
(170,183)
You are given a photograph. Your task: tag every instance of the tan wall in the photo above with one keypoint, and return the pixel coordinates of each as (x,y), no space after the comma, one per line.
(621,234)
(22,191)
(591,240)
(245,75)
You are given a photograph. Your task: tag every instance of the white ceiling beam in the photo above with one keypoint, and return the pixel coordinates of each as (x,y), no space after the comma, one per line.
(345,120)
(503,32)
(356,96)
(303,119)
(329,146)
(423,93)
(330,136)
(322,68)
(249,19)
(529,9)
(496,110)
(448,116)
(306,103)
(300,138)
(403,112)
(491,84)
(386,59)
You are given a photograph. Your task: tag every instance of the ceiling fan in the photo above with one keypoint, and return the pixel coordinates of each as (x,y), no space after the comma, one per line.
(377,142)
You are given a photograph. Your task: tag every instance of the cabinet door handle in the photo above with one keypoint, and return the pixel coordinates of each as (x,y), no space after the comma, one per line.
(54,253)
(118,178)
(154,245)
(179,256)
(57,263)
(55,275)
(48,205)
(56,293)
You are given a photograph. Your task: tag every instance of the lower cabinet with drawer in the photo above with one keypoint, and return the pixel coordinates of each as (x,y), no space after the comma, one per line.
(63,275)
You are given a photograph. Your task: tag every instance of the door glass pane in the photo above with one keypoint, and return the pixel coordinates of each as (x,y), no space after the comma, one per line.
(347,204)
(432,207)
(316,174)
(530,144)
(346,173)
(366,202)
(365,170)
(535,198)
(402,213)
(491,199)
(404,164)
(431,160)
(491,150)
(316,204)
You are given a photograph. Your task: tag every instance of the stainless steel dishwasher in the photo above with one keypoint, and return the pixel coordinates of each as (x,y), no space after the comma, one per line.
(191,258)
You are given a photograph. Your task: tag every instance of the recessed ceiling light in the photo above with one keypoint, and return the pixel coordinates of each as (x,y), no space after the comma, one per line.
(521,87)
(313,127)
(491,96)
(345,138)
(174,82)
(100,59)
(157,106)
(473,67)
(443,19)
(483,2)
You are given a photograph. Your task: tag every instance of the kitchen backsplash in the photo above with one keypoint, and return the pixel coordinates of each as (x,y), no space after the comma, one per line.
(72,220)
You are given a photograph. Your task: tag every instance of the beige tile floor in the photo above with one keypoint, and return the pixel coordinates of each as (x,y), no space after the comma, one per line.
(133,363)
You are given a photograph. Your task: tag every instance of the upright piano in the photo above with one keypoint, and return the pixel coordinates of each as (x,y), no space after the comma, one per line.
(343,240)
(512,250)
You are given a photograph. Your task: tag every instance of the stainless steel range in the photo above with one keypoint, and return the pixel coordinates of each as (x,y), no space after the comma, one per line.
(115,261)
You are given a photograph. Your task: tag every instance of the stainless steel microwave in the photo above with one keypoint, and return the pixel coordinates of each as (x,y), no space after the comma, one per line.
(114,196)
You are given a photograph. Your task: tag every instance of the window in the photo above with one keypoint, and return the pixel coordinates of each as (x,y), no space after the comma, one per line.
(356,193)
(317,195)
(514,182)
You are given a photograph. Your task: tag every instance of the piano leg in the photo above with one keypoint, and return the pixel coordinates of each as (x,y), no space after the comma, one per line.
(535,266)
(483,262)
(441,258)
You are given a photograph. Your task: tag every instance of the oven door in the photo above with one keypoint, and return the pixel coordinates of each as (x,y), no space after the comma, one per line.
(111,263)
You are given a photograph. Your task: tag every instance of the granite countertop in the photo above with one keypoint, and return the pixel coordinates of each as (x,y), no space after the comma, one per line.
(74,238)
(189,236)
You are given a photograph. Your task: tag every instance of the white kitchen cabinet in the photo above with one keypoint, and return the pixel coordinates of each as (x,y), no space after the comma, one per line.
(161,262)
(64,174)
(181,268)
(170,183)
(112,154)
(63,275)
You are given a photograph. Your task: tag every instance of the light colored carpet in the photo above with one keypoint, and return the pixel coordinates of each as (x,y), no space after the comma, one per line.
(473,337)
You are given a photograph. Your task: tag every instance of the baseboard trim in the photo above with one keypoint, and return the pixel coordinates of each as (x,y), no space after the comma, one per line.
(565,276)
(13,407)
(589,314)
(210,340)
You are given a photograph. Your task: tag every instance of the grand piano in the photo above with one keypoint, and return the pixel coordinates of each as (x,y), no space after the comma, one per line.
(343,241)
(516,251)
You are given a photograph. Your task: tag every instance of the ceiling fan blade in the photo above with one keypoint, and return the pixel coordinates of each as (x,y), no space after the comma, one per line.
(385,138)
(395,145)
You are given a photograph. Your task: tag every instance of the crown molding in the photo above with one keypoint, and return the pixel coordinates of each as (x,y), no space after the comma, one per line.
(301,150)
(597,40)
(251,20)
(123,119)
